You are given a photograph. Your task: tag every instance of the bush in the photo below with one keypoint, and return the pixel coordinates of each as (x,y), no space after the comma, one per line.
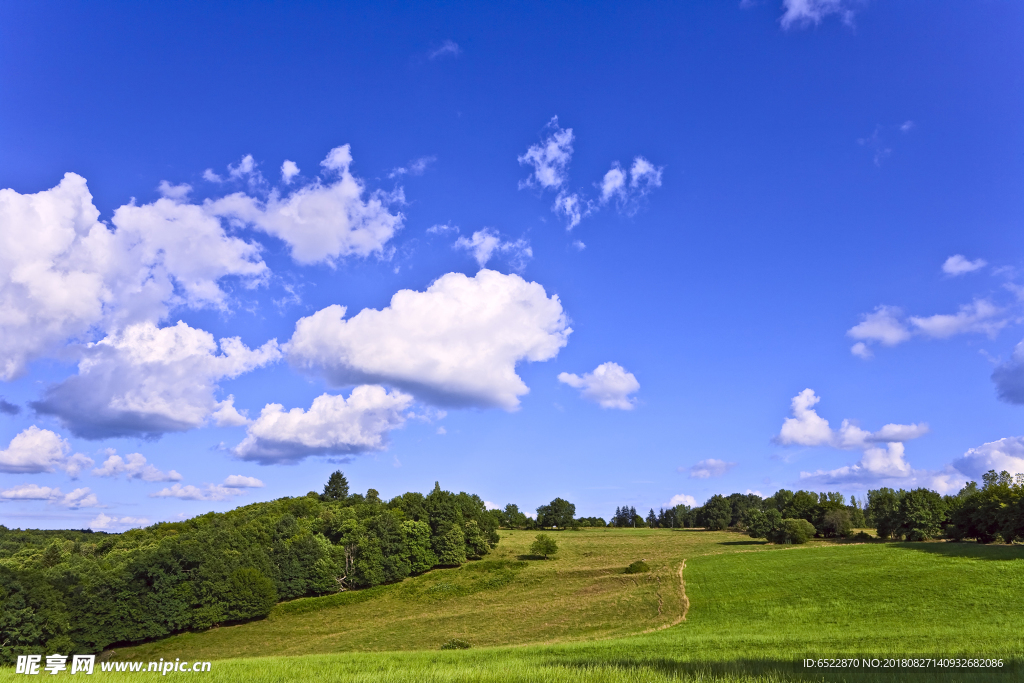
(638,567)
(455,644)
(862,536)
(795,531)
(544,545)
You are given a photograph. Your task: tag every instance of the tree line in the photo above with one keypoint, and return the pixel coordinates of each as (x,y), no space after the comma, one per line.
(79,591)
(991,512)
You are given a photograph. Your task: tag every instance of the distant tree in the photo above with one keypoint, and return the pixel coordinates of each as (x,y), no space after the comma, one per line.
(857,520)
(558,513)
(652,519)
(716,513)
(836,524)
(762,523)
(544,546)
(794,531)
(336,487)
(635,520)
(921,513)
(883,508)
(685,515)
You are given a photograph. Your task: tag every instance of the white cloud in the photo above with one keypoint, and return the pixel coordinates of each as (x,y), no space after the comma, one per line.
(979,316)
(487,242)
(878,462)
(226,415)
(238,481)
(211,177)
(134,466)
(807,428)
(550,159)
(147,381)
(103,522)
(289,169)
(245,168)
(884,325)
(710,468)
(572,207)
(333,425)
(861,350)
(415,167)
(614,183)
(683,499)
(175,193)
(65,274)
(1005,454)
(36,450)
(448,47)
(321,222)
(79,498)
(491,506)
(190,492)
(644,176)
(609,385)
(442,229)
(455,344)
(906,126)
(801,13)
(441,431)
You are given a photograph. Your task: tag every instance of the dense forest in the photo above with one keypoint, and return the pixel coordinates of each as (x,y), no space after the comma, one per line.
(79,591)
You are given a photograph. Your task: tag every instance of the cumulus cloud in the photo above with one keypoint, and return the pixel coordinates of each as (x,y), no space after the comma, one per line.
(79,498)
(609,385)
(63,273)
(807,428)
(627,188)
(37,450)
(321,222)
(133,466)
(710,468)
(442,229)
(448,47)
(104,522)
(683,499)
(884,325)
(145,381)
(549,158)
(980,316)
(176,193)
(333,425)
(226,415)
(1004,454)
(190,492)
(455,344)
(487,242)
(614,183)
(238,481)
(883,450)
(289,169)
(958,265)
(572,207)
(802,13)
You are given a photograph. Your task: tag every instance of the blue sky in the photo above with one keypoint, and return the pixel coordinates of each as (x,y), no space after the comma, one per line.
(628,253)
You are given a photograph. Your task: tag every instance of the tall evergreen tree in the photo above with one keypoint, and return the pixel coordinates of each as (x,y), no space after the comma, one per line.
(336,487)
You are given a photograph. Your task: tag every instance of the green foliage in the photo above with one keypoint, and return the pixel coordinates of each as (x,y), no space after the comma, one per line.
(336,488)
(544,546)
(638,567)
(558,513)
(762,523)
(78,591)
(795,531)
(836,524)
(716,513)
(455,644)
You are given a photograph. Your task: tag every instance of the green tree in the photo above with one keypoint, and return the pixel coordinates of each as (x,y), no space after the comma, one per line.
(558,513)
(921,513)
(716,513)
(836,524)
(336,487)
(544,546)
(794,531)
(883,509)
(762,523)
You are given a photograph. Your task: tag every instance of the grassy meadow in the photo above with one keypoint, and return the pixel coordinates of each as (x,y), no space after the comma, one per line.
(715,606)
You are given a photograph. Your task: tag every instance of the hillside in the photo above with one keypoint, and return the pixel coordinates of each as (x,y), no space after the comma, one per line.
(747,602)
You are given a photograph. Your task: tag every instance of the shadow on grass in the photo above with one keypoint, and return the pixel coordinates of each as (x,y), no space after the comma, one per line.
(975,551)
(795,670)
(524,558)
(750,542)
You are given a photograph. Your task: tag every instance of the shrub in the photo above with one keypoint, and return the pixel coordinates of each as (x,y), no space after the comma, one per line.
(638,567)
(455,644)
(544,545)
(794,531)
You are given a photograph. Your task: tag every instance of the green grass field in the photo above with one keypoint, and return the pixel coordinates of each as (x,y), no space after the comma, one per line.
(751,610)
